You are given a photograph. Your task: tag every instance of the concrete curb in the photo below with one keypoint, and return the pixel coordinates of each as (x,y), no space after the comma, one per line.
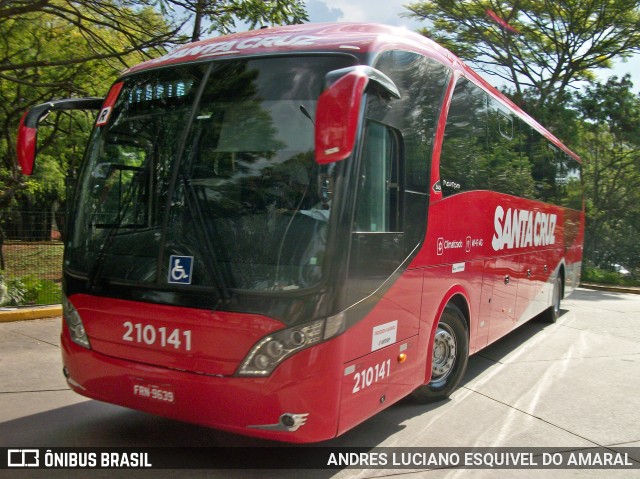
(611,289)
(23,314)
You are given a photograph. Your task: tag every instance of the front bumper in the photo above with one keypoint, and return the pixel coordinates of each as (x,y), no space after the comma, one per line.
(299,402)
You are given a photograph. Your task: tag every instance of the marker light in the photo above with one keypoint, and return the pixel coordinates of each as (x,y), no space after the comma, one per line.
(74,323)
(265,356)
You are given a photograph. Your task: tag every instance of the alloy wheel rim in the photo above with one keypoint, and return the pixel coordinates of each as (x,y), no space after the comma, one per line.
(444,352)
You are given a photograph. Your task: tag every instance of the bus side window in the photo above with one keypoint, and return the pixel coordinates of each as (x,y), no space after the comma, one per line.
(422,82)
(571,195)
(377,209)
(377,238)
(535,157)
(556,177)
(463,159)
(504,154)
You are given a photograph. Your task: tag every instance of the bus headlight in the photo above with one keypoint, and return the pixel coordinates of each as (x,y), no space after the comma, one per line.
(275,348)
(74,323)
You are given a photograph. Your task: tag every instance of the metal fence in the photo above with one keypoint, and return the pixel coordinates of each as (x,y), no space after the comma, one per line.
(30,258)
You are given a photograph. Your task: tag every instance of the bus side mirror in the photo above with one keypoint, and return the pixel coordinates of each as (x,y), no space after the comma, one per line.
(28,129)
(338,110)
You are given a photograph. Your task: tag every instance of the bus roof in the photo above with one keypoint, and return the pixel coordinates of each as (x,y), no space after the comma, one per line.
(355,38)
(358,38)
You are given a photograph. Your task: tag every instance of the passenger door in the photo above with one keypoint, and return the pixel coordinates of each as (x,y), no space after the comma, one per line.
(377,237)
(384,315)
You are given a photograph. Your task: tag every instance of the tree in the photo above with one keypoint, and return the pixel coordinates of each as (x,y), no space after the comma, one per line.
(111,29)
(544,45)
(610,148)
(64,48)
(222,14)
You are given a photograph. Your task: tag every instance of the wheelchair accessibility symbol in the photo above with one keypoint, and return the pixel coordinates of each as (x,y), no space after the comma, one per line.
(180,268)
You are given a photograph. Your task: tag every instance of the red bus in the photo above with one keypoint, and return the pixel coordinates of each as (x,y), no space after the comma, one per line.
(280,233)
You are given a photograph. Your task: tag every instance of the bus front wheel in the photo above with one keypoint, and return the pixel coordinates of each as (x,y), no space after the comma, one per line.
(450,356)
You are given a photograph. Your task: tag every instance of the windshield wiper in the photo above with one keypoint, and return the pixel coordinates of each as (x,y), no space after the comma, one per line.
(204,238)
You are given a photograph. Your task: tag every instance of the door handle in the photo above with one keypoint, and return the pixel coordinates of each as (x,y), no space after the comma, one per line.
(507,279)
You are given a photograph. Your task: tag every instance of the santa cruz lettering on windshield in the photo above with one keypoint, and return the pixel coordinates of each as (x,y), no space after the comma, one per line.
(522,228)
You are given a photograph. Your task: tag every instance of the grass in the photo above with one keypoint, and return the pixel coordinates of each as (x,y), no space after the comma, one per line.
(33,273)
(43,259)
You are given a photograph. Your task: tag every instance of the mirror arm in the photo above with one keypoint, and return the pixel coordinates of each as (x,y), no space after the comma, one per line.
(376,78)
(28,129)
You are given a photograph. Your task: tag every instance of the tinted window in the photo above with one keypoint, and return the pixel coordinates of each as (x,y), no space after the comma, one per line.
(394,169)
(238,197)
(377,208)
(486,147)
(421,82)
(464,161)
(556,177)
(505,170)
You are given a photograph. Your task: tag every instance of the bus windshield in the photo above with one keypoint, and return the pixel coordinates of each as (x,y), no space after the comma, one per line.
(204,176)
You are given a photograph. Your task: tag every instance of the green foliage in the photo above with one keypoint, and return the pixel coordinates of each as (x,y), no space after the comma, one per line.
(11,294)
(609,143)
(31,290)
(32,274)
(601,276)
(222,15)
(545,45)
(63,48)
(546,50)
(613,103)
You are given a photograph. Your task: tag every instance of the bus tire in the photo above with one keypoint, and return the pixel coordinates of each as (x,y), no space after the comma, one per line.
(552,314)
(450,356)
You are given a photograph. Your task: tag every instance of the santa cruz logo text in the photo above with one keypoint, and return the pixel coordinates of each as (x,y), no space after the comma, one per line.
(522,228)
(233,46)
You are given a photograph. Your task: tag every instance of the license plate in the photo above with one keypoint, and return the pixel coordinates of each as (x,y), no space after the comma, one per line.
(163,393)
